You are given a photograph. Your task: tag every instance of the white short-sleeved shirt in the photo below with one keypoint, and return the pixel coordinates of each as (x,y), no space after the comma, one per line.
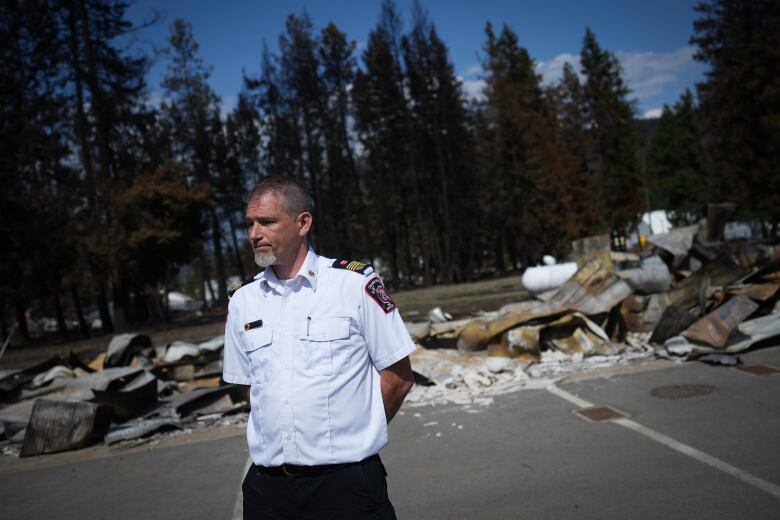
(314,362)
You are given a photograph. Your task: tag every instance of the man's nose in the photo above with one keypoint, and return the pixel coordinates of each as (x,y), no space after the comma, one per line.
(254,232)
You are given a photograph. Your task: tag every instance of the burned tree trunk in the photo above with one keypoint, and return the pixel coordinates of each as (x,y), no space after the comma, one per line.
(79,312)
(21,318)
(107,324)
(62,327)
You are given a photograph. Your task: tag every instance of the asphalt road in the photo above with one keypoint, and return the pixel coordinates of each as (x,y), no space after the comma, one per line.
(526,455)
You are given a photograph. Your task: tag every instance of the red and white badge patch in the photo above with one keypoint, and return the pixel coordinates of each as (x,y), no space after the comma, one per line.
(377,291)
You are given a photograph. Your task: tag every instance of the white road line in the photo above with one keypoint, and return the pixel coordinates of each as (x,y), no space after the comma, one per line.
(690,451)
(563,394)
(238,507)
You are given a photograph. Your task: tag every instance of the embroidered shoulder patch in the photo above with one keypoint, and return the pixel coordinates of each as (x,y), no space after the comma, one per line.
(239,285)
(376,289)
(351,265)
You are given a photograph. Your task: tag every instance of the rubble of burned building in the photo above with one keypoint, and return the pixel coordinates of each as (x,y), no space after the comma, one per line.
(131,391)
(683,295)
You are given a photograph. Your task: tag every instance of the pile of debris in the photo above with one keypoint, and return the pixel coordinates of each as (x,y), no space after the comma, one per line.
(131,391)
(679,295)
(682,295)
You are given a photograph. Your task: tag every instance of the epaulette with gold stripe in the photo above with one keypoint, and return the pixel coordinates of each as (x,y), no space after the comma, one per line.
(352,265)
(239,285)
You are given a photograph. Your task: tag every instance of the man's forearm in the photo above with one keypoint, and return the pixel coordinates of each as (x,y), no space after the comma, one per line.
(396,381)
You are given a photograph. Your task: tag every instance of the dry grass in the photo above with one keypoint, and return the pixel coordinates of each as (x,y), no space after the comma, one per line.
(460,299)
(457,299)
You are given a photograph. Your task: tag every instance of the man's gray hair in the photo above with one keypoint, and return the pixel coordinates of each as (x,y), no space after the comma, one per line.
(294,194)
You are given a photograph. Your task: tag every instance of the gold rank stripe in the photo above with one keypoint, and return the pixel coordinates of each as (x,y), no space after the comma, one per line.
(355,266)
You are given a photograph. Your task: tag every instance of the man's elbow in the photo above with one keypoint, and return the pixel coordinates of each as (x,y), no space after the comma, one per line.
(407,385)
(404,377)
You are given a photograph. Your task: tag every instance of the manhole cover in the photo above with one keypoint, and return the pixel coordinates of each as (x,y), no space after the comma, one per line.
(759,370)
(599,413)
(682,391)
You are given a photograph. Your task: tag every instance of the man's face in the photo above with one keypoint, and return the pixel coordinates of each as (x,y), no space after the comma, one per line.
(274,235)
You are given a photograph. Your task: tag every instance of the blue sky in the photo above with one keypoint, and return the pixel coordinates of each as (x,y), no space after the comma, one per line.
(649,38)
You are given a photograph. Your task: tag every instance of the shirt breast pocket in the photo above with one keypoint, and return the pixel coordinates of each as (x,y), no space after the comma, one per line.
(327,347)
(257,344)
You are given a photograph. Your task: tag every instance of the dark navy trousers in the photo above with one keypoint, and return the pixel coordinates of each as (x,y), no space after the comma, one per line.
(357,491)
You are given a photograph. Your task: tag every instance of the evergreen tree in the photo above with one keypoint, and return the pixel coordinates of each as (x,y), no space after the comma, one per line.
(610,120)
(191,107)
(300,80)
(302,99)
(676,165)
(382,123)
(244,139)
(740,100)
(240,171)
(280,146)
(37,187)
(69,54)
(567,99)
(230,182)
(106,78)
(511,176)
(574,205)
(158,217)
(442,145)
(335,55)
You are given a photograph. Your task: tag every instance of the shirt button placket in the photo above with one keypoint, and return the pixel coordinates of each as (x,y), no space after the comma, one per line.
(288,433)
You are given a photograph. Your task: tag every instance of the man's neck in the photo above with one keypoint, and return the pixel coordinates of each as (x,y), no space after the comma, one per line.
(286,270)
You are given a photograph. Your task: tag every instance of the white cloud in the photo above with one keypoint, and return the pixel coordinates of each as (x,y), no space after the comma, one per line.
(552,71)
(652,113)
(473,88)
(647,73)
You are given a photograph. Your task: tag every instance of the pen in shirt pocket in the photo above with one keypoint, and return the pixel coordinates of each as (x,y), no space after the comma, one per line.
(253,324)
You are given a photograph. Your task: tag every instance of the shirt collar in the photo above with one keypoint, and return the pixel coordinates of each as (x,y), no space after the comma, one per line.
(309,270)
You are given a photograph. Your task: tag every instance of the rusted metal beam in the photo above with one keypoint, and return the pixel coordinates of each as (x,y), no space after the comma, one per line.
(716,327)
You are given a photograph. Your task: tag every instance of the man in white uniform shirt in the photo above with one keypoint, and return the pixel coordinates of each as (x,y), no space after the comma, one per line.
(323,354)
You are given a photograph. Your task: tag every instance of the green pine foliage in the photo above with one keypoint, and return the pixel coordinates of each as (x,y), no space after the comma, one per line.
(382,124)
(441,147)
(740,101)
(510,175)
(534,179)
(678,172)
(192,108)
(612,148)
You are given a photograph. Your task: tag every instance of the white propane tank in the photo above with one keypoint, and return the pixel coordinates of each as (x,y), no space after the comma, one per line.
(545,277)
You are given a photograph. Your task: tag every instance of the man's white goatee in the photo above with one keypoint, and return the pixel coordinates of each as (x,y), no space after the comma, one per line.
(265,259)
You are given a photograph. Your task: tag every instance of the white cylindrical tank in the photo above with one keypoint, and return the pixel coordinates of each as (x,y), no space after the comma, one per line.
(545,277)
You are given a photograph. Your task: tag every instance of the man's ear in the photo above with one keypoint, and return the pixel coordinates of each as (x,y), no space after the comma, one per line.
(304,222)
